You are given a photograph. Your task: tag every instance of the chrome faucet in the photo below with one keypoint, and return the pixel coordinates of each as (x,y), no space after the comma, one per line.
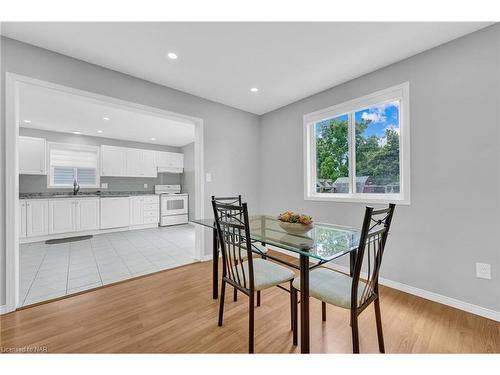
(76,187)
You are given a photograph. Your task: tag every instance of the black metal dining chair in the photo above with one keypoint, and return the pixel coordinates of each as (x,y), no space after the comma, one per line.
(240,269)
(263,251)
(351,291)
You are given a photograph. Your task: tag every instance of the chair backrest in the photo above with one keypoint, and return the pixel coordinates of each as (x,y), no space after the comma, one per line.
(235,243)
(228,200)
(373,237)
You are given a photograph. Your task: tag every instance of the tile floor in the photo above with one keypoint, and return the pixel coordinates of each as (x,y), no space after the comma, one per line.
(50,271)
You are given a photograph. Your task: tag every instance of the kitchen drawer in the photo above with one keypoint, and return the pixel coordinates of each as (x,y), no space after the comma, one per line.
(151,207)
(151,220)
(151,199)
(151,214)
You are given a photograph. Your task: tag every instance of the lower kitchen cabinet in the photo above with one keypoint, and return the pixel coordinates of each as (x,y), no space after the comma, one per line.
(33,218)
(87,214)
(73,215)
(144,210)
(61,216)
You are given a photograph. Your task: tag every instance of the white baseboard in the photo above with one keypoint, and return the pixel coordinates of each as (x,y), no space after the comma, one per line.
(431,296)
(4,309)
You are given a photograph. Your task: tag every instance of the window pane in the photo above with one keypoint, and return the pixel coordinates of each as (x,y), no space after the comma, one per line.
(86,176)
(332,155)
(377,149)
(63,176)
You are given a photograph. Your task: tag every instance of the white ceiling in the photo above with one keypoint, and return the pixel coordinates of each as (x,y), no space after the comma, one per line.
(222,61)
(54,110)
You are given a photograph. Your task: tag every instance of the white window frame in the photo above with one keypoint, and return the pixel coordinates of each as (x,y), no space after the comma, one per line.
(399,92)
(72,147)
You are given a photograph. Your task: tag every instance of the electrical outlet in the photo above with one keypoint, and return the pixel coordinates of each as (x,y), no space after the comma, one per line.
(208,177)
(483,271)
(145,186)
(104,185)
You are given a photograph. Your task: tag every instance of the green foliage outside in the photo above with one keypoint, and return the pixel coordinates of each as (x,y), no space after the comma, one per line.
(374,157)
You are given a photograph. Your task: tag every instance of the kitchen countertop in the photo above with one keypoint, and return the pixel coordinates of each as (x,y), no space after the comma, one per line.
(102,194)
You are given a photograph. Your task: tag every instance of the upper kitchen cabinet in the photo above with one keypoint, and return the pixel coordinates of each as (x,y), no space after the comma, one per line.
(113,161)
(141,163)
(32,159)
(127,162)
(172,162)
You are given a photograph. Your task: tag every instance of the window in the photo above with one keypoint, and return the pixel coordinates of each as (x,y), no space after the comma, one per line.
(68,163)
(359,151)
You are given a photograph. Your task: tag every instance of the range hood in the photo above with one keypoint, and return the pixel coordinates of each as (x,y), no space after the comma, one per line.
(170,170)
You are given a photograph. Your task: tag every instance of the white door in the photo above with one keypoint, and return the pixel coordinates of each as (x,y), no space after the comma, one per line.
(32,155)
(149,168)
(36,217)
(113,161)
(115,212)
(22,219)
(136,210)
(87,214)
(134,162)
(61,215)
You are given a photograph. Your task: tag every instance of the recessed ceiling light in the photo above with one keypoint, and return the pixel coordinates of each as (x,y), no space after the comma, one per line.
(153,139)
(106,118)
(27,121)
(172,55)
(254,89)
(99,131)
(76,132)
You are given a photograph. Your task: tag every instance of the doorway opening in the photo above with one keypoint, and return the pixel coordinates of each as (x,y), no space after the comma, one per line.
(88,164)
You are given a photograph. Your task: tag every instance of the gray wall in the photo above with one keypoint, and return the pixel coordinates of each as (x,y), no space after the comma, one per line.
(187,178)
(231,136)
(38,184)
(453,219)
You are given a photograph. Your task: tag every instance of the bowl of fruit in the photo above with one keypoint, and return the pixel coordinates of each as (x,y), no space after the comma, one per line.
(295,223)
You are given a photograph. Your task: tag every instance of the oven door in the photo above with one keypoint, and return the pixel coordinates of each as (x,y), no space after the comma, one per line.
(174,205)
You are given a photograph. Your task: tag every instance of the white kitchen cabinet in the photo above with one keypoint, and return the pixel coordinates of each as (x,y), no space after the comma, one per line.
(141,163)
(136,210)
(87,214)
(36,217)
(22,219)
(170,162)
(62,215)
(134,162)
(113,161)
(115,212)
(32,156)
(149,163)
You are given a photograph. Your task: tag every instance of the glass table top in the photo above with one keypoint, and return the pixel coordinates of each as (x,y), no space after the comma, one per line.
(324,241)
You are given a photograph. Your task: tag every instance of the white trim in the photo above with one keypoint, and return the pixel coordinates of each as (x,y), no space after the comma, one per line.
(399,92)
(4,309)
(431,296)
(12,169)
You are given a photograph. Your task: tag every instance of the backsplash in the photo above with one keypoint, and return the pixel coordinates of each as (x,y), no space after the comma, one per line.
(38,184)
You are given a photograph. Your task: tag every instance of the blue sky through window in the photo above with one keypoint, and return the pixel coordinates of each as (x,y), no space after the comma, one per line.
(385,116)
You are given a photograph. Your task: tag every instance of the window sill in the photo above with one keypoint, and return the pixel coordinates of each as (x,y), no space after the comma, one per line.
(350,198)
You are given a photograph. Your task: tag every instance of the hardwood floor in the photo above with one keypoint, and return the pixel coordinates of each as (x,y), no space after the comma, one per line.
(173,312)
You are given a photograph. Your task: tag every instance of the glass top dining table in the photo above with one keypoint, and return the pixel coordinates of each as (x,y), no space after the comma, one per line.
(323,242)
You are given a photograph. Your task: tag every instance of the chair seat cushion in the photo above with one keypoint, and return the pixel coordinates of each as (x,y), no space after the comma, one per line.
(266,274)
(331,287)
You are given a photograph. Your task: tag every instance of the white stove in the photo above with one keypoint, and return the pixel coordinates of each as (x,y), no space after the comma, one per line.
(173,205)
